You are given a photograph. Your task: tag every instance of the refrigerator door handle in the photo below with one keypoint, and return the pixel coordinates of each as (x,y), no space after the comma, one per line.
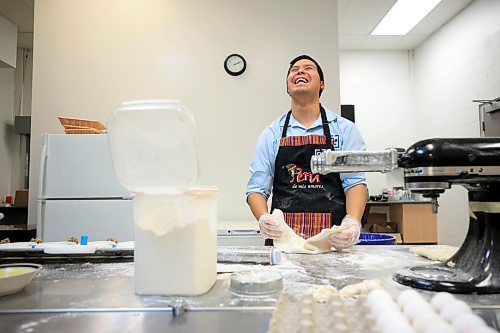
(42,166)
(41,181)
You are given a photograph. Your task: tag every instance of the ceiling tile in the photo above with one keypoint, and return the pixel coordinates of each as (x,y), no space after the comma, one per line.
(19,13)
(409,42)
(380,42)
(357,18)
(351,42)
(443,12)
(360,17)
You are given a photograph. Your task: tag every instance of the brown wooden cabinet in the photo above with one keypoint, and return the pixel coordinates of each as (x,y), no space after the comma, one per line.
(415,221)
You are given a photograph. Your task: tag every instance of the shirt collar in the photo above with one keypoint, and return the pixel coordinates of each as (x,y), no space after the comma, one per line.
(317,123)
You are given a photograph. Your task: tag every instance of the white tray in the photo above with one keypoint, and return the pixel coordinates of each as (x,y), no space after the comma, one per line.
(20,246)
(121,246)
(61,248)
(67,247)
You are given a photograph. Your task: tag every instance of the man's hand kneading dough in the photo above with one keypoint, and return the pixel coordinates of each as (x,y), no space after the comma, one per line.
(347,234)
(271,226)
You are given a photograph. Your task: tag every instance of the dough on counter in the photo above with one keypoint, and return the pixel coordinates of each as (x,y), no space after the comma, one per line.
(361,288)
(435,252)
(320,240)
(322,293)
(290,242)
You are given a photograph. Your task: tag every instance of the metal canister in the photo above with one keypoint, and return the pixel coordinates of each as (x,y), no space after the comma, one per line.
(264,255)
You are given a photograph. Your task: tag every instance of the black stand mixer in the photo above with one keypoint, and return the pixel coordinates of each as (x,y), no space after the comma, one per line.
(430,167)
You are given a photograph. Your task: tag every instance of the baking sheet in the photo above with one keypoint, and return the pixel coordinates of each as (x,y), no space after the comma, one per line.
(19,246)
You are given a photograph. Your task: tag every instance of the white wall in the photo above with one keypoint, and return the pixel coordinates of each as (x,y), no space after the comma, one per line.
(380,85)
(12,145)
(91,55)
(459,63)
(6,130)
(22,107)
(8,42)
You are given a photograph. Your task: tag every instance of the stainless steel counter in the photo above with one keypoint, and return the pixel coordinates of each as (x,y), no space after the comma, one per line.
(100,297)
(397,202)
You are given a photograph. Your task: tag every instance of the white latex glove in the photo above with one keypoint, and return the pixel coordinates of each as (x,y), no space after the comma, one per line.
(271,226)
(347,234)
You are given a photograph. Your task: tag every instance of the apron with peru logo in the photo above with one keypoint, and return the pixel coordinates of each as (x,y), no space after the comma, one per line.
(310,202)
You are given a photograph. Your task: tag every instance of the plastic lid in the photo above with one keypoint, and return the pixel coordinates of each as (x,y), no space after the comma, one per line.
(256,282)
(153,146)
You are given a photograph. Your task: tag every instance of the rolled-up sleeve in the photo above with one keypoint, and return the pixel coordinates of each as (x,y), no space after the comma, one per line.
(351,140)
(262,166)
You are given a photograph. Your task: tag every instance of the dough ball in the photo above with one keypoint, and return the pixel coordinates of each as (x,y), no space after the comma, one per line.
(361,288)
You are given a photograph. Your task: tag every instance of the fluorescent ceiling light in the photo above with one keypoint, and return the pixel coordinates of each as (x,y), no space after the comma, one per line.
(403,16)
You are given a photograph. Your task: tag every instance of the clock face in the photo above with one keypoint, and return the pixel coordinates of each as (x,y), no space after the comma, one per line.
(235,64)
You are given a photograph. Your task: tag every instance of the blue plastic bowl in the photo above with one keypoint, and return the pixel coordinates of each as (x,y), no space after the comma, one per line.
(368,238)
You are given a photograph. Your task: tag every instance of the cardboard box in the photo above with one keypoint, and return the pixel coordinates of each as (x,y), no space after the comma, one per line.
(399,240)
(381,229)
(21,198)
(375,219)
(416,222)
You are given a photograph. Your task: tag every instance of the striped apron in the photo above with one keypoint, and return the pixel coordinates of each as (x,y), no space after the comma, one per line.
(310,202)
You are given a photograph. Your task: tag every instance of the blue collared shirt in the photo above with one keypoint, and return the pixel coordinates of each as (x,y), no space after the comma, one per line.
(344,134)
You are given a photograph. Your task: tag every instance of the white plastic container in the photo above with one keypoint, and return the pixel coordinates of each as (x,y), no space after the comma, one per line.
(154,147)
(154,151)
(176,242)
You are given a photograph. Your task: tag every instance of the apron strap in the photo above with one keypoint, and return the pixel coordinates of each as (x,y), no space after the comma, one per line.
(285,127)
(326,127)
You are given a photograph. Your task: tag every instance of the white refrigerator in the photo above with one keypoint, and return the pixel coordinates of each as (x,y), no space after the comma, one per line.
(78,192)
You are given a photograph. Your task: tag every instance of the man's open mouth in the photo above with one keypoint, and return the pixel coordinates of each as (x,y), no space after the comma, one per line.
(300,80)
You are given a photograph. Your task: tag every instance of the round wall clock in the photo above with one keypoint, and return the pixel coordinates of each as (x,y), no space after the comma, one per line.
(235,64)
